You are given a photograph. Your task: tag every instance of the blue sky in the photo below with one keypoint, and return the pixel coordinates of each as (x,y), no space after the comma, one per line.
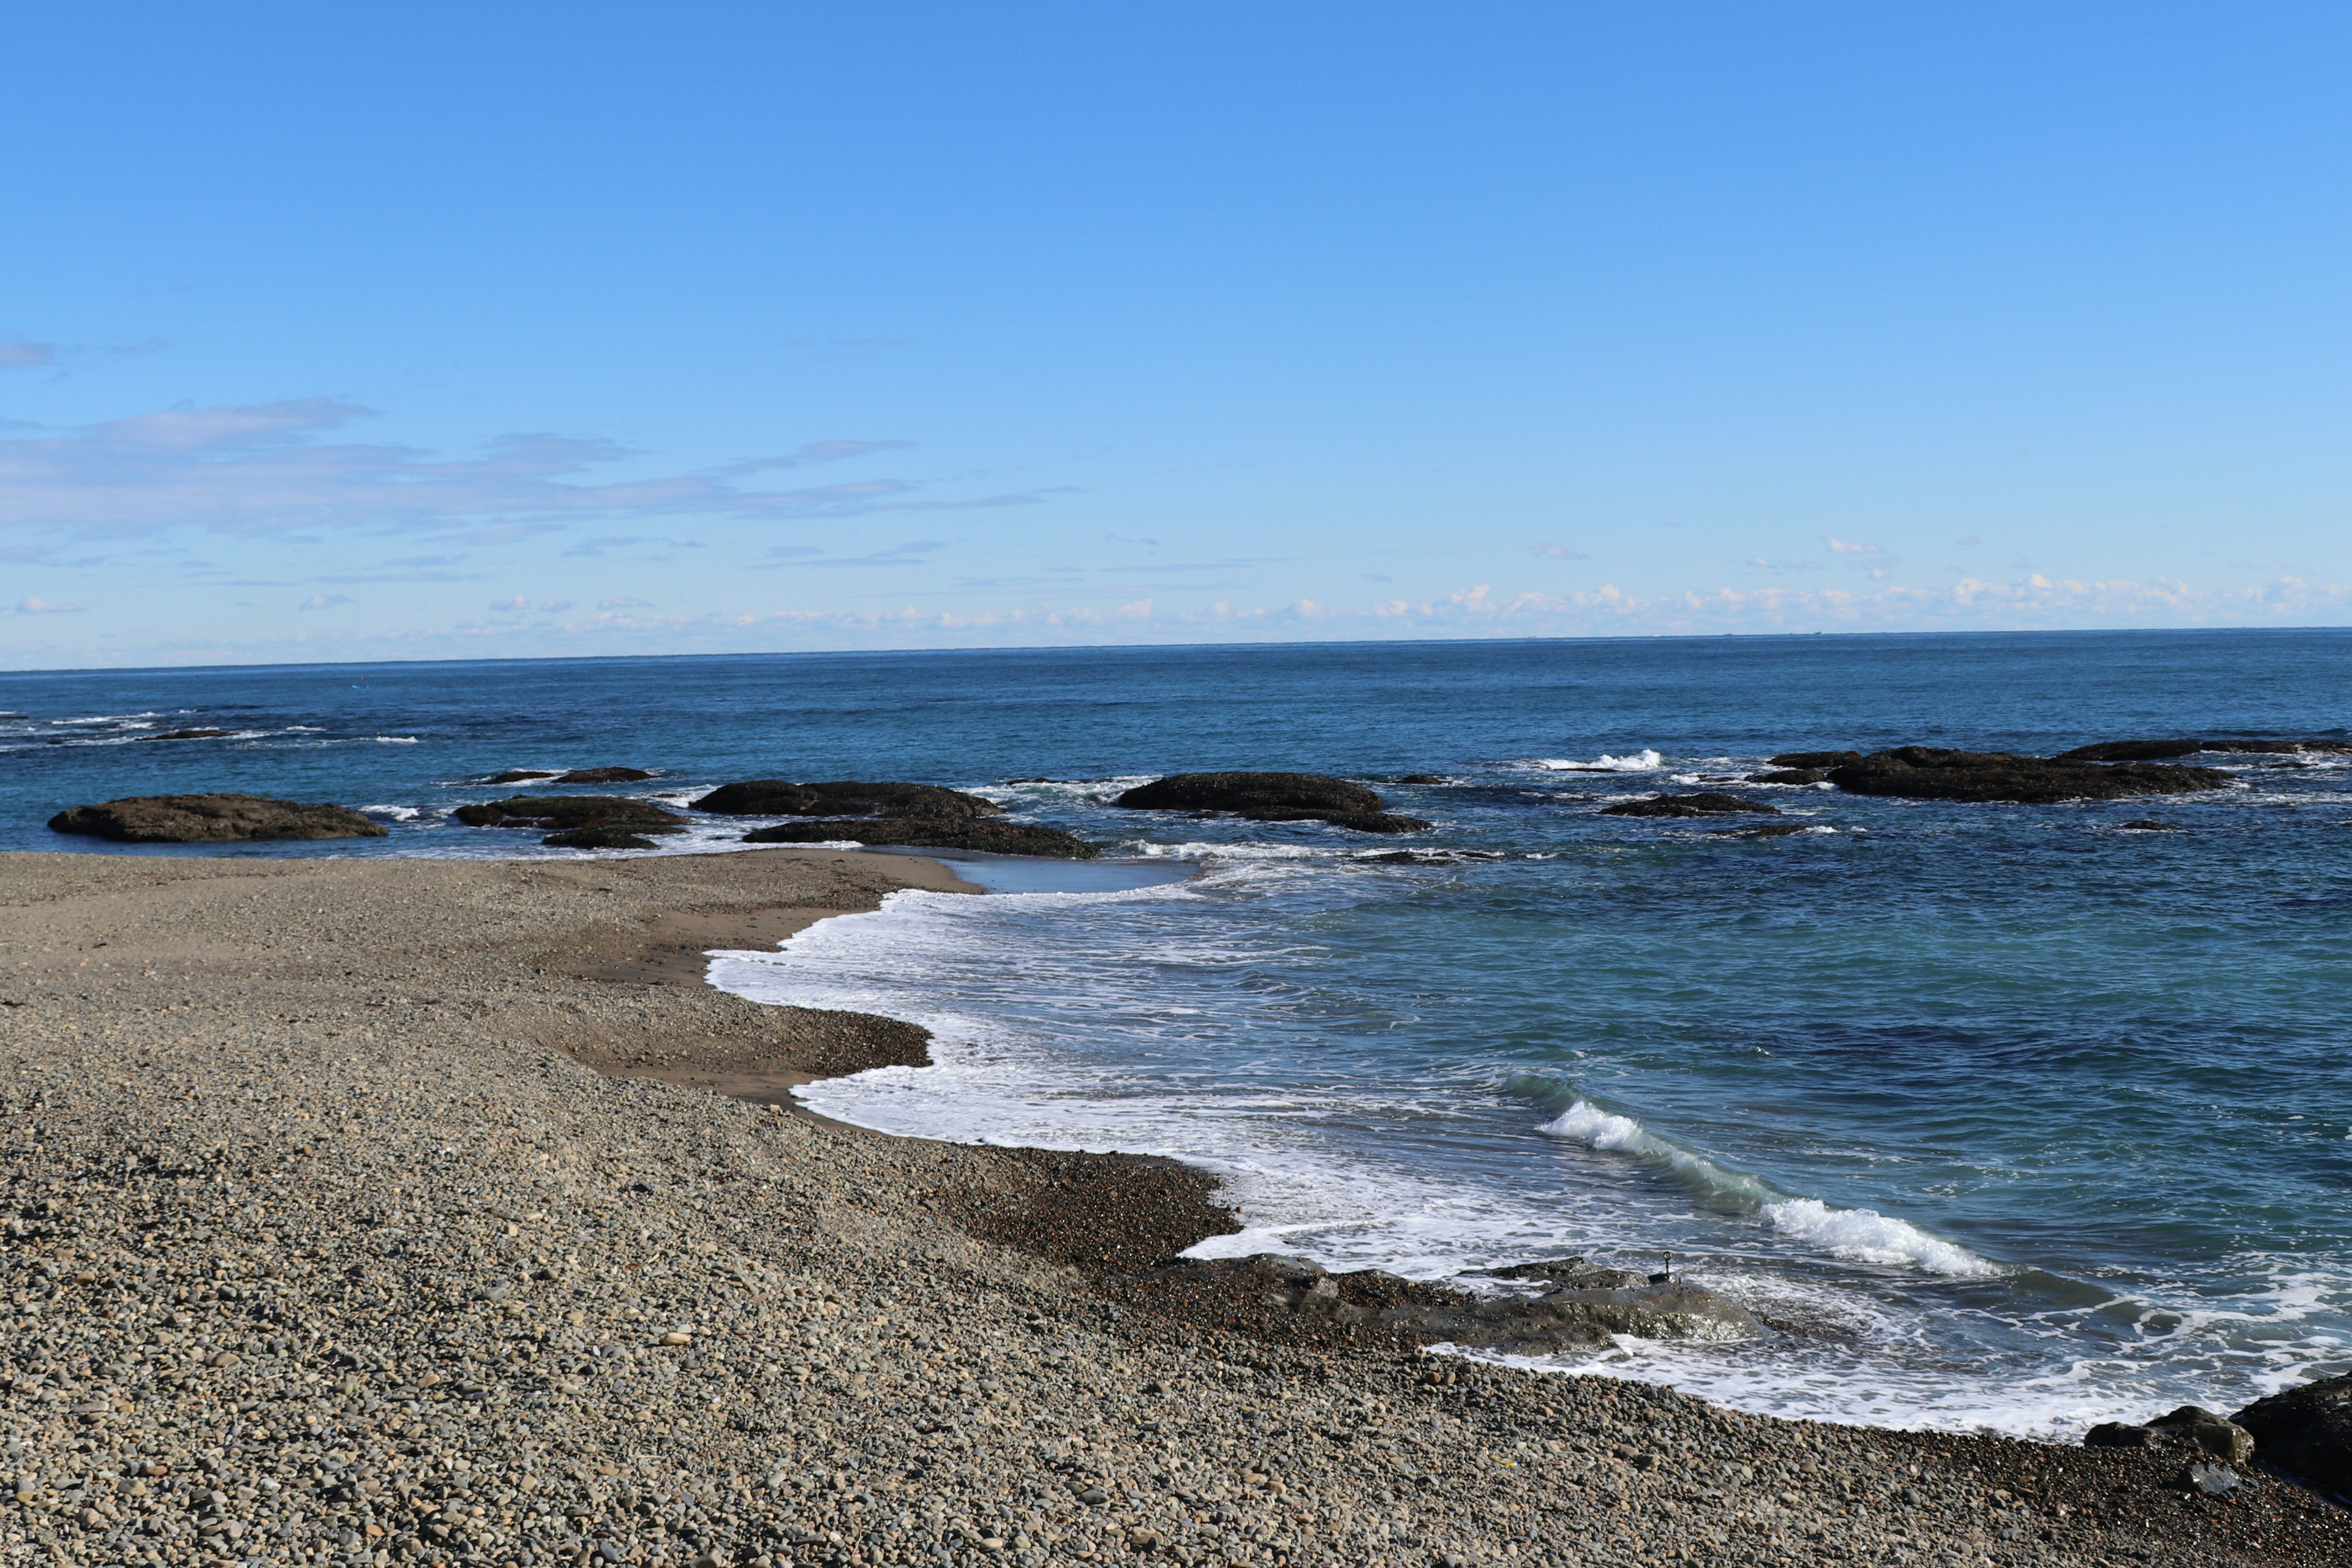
(431,330)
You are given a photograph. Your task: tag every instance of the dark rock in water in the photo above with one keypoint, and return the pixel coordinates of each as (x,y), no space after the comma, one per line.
(932,833)
(1814,759)
(604,775)
(520,775)
(212,819)
(2307,1431)
(1934,773)
(598,838)
(563,811)
(1705,803)
(186,736)
(2263,747)
(2148,825)
(1790,776)
(2128,752)
(1575,1272)
(1311,794)
(1358,821)
(1760,830)
(844,798)
(2190,1429)
(1421,778)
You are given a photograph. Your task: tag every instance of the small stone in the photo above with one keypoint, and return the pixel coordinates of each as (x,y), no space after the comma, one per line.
(1093,1497)
(2212,1479)
(676,1337)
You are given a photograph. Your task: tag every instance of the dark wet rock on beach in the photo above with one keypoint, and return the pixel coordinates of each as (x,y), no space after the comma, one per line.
(932,833)
(1706,803)
(1935,772)
(844,798)
(598,838)
(212,819)
(566,812)
(2306,1431)
(2190,1429)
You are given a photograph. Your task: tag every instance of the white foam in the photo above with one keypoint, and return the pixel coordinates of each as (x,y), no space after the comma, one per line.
(1865,1235)
(397,813)
(395,739)
(1586,1123)
(1641,762)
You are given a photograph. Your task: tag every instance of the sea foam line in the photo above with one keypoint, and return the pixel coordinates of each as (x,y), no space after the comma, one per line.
(1859,1235)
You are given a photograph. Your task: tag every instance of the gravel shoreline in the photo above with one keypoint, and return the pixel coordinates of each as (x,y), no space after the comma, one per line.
(382,1212)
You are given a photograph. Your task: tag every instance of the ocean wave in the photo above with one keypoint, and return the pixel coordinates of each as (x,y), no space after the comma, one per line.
(1865,1235)
(1641,762)
(397,813)
(395,739)
(1858,1235)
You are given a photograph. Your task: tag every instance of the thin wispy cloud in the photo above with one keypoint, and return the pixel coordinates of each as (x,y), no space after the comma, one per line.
(1847,547)
(22,355)
(325,601)
(33,606)
(1558,551)
(274,468)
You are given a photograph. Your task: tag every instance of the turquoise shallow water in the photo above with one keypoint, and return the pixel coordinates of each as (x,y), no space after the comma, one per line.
(2004,1116)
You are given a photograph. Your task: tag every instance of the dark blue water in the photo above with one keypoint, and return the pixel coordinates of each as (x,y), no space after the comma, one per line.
(2002,1115)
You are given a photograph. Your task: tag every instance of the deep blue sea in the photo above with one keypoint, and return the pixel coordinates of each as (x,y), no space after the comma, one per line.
(2005,1117)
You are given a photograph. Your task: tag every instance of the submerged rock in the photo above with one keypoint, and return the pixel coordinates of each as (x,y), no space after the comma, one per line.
(1577,1272)
(2157,750)
(1355,821)
(186,736)
(1703,803)
(212,819)
(571,811)
(2307,1431)
(1935,772)
(599,839)
(2148,825)
(932,833)
(1760,830)
(604,775)
(844,798)
(520,775)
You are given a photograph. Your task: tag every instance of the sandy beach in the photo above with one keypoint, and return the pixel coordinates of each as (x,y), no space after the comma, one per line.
(429,1211)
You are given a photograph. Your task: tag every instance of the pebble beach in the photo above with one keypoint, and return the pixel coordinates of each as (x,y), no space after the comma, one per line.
(376,1212)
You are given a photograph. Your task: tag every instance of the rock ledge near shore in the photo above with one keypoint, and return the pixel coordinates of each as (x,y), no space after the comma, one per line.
(212,819)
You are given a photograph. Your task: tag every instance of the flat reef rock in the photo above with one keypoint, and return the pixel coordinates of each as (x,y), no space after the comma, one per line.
(2306,1430)
(1934,773)
(932,833)
(1706,803)
(212,819)
(571,811)
(844,797)
(604,775)
(1272,797)
(1814,759)
(598,838)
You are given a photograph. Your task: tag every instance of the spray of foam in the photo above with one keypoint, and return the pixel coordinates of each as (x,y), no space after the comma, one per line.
(1641,762)
(1860,1236)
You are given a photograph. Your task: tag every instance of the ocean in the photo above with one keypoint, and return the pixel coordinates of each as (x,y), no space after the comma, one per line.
(2002,1117)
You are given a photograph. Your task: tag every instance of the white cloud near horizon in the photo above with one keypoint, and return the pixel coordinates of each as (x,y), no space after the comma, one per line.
(278,468)
(36,607)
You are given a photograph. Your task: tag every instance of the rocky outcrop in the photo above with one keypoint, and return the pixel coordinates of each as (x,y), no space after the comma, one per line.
(2190,1430)
(520,775)
(844,797)
(2157,750)
(1272,797)
(1934,773)
(2148,825)
(1570,1273)
(599,839)
(212,819)
(1814,759)
(2307,1431)
(932,833)
(570,812)
(1246,793)
(1577,1315)
(1703,803)
(1790,776)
